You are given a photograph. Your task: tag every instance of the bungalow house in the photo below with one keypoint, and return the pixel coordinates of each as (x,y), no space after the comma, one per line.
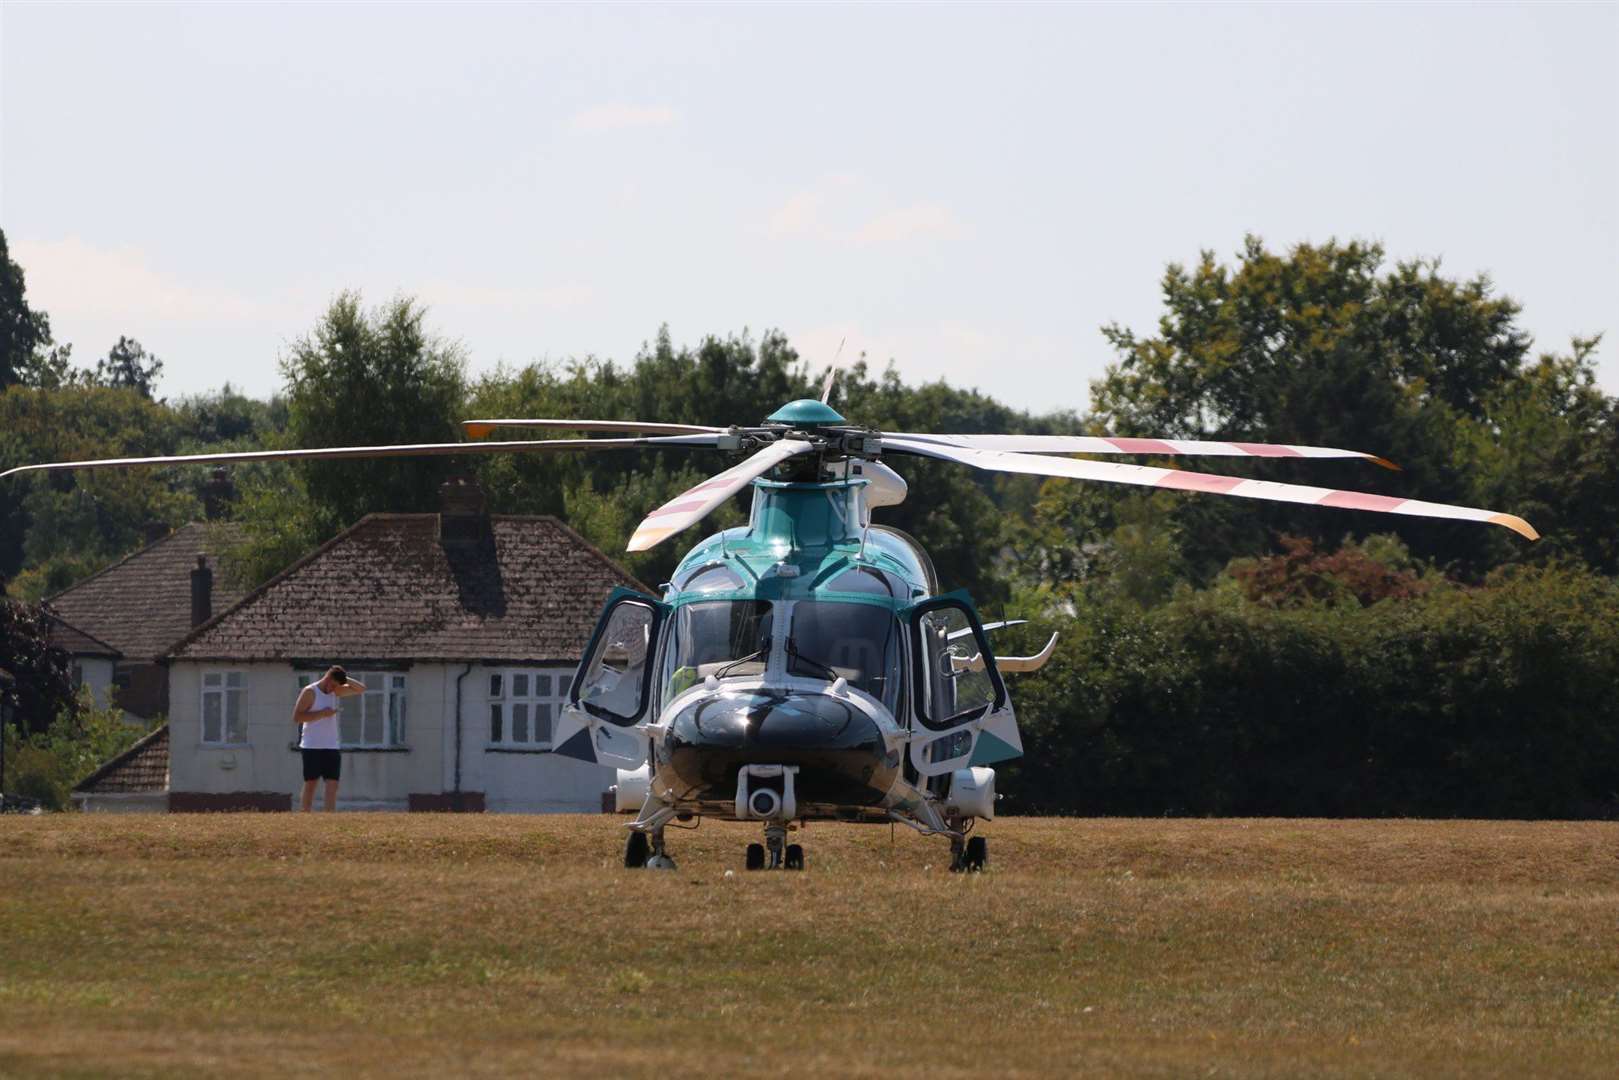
(141,605)
(94,661)
(465,628)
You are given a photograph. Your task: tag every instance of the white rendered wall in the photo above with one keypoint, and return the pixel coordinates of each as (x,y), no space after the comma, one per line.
(525,782)
(374,779)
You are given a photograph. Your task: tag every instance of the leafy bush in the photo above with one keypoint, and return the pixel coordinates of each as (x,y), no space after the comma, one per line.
(1496,701)
(47,764)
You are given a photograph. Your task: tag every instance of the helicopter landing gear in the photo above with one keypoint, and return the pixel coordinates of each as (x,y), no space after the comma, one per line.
(635,850)
(970,855)
(644,852)
(781,855)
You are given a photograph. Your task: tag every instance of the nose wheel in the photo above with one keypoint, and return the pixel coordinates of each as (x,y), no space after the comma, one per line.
(969,857)
(775,852)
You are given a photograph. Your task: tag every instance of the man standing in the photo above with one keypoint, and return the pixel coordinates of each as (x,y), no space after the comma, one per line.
(316,716)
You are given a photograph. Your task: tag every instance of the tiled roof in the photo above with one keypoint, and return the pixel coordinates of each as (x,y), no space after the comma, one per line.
(76,642)
(143,767)
(387,589)
(141,605)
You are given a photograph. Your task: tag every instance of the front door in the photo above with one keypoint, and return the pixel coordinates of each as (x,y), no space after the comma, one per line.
(956,688)
(612,689)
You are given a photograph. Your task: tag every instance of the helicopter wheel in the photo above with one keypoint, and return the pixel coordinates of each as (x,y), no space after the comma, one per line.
(795,857)
(756,857)
(636,849)
(976,857)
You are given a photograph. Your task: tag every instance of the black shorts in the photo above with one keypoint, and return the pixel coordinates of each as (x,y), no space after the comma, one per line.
(322,764)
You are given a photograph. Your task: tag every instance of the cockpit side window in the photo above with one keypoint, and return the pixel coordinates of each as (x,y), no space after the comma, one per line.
(857,642)
(724,638)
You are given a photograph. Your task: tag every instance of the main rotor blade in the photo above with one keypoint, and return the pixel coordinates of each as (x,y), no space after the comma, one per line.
(1089,444)
(1181,480)
(696,503)
(478,429)
(400,450)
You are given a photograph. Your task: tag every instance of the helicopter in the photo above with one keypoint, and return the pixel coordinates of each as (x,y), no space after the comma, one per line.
(809,666)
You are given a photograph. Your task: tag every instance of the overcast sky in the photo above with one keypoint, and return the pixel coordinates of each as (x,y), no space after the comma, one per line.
(970,191)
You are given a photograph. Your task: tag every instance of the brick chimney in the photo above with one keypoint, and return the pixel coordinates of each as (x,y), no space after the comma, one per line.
(217,494)
(202,592)
(463,517)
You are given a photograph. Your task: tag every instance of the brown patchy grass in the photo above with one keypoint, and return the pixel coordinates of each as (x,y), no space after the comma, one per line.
(414,945)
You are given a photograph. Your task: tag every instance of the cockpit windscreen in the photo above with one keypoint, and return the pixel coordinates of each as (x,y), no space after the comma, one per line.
(859,642)
(716,637)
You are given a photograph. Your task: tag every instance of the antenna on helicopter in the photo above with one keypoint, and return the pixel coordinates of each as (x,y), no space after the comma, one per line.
(832,374)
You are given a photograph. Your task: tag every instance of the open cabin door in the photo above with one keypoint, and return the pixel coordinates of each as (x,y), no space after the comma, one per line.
(612,690)
(957,693)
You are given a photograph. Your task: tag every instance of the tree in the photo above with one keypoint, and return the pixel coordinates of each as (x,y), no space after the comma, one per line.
(1322,346)
(43,680)
(26,352)
(369,378)
(1552,448)
(128,365)
(60,526)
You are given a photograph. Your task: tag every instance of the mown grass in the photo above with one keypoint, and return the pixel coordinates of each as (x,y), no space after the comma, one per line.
(410,945)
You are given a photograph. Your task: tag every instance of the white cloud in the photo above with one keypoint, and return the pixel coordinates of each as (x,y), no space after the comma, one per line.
(617,117)
(797,216)
(908,223)
(832,212)
(71,279)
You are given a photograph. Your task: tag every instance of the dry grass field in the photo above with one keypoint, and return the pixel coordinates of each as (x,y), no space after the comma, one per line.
(412,945)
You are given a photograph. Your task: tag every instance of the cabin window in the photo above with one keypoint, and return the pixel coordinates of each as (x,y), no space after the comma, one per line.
(372,720)
(224,708)
(954,680)
(858,642)
(523,705)
(724,638)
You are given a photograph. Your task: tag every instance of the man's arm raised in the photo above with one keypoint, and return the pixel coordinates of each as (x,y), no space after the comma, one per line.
(349,688)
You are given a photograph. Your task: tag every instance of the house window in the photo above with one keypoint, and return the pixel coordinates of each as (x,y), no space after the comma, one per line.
(523,705)
(373,719)
(224,712)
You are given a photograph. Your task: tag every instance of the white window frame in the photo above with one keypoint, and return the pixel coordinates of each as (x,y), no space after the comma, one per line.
(229,687)
(387,691)
(505,700)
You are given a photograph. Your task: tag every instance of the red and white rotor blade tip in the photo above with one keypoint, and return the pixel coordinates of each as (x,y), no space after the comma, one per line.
(478,429)
(1182,480)
(1097,444)
(328,453)
(696,503)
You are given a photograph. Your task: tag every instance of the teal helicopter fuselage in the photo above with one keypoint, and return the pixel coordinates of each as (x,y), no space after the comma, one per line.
(804,667)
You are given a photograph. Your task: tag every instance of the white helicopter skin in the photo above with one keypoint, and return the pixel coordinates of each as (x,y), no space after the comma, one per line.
(806,666)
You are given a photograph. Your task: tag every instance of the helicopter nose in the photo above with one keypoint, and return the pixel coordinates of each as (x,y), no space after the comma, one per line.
(838,749)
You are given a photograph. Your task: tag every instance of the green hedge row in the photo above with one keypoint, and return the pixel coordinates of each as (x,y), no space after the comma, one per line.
(1500,701)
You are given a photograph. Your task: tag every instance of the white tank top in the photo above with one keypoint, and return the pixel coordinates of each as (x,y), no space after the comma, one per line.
(322,734)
